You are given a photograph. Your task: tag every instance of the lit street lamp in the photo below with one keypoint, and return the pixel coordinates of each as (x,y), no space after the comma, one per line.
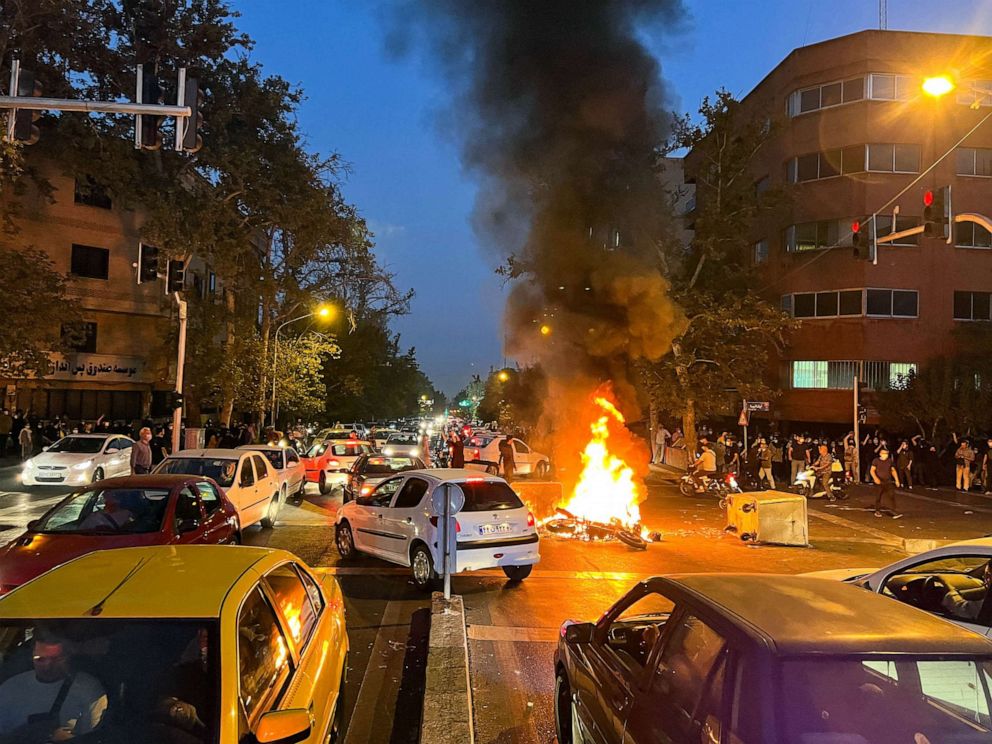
(324,312)
(938,86)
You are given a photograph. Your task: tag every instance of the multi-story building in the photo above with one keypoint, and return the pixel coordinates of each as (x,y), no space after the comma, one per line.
(856,131)
(128,359)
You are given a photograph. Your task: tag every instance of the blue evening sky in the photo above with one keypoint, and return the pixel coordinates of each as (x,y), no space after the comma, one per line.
(380,113)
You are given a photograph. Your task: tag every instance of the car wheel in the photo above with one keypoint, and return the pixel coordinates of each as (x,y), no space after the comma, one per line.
(236,538)
(301,494)
(422,566)
(517,573)
(542,469)
(269,520)
(97,475)
(345,541)
(563,709)
(323,484)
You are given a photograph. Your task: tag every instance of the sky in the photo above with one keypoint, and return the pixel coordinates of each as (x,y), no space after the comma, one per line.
(382,115)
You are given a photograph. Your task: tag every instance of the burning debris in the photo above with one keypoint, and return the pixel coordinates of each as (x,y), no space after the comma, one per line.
(566,524)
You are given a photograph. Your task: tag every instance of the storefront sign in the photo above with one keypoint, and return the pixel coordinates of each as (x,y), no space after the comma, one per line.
(95,367)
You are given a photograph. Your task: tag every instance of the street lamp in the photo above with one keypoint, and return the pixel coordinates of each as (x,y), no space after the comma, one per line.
(324,312)
(545,330)
(938,86)
(503,375)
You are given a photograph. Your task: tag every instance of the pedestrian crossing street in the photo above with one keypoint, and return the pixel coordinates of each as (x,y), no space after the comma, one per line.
(17,508)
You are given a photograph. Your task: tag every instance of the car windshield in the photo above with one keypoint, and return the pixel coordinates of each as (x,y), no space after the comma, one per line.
(901,700)
(220,469)
(78,445)
(346,450)
(403,439)
(111,511)
(317,450)
(387,465)
(485,495)
(150,681)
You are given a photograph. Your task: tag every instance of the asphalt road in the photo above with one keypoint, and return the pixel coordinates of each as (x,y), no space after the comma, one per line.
(512,628)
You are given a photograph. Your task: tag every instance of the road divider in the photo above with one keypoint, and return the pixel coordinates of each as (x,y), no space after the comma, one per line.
(447,714)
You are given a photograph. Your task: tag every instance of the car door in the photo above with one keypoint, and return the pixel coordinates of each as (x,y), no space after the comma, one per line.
(612,670)
(245,495)
(403,518)
(266,484)
(216,527)
(365,516)
(294,470)
(187,518)
(112,460)
(521,457)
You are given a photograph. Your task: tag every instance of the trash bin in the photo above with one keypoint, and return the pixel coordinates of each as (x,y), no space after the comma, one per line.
(769,517)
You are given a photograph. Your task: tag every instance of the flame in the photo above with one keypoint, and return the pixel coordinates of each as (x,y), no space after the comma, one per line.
(608,489)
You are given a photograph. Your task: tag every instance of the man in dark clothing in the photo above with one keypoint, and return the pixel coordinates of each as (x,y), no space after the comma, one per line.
(160,446)
(456,451)
(506,458)
(883,472)
(6,424)
(904,464)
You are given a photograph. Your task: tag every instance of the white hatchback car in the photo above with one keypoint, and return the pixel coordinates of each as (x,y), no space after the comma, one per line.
(396,522)
(289,469)
(923,581)
(79,459)
(246,478)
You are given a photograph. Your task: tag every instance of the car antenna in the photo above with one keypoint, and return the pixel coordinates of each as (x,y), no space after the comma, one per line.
(98,607)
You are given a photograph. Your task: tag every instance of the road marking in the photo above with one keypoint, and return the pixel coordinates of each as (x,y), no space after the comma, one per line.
(385,660)
(921,497)
(886,537)
(504,633)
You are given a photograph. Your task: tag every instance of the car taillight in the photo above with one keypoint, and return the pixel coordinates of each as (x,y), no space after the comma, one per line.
(530,519)
(471,454)
(458,527)
(333,463)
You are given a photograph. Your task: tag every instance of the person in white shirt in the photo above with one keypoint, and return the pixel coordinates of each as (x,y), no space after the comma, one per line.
(661,437)
(52,702)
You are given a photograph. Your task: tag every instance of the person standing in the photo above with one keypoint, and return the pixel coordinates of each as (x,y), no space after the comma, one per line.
(6,424)
(425,448)
(26,440)
(765,464)
(159,446)
(850,455)
(141,453)
(987,468)
(904,464)
(456,450)
(661,439)
(883,472)
(506,458)
(964,457)
(797,458)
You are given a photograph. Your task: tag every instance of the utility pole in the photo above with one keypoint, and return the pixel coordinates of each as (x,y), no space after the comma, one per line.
(857,432)
(177,413)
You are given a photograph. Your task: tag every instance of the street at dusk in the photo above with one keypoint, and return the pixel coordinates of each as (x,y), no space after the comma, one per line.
(464,372)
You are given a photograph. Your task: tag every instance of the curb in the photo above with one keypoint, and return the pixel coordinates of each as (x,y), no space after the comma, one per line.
(447,714)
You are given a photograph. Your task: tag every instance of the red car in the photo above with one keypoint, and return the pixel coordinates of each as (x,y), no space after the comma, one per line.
(127,512)
(327,463)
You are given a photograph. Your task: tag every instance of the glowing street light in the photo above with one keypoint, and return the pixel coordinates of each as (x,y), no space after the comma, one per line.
(324,312)
(938,86)
(545,330)
(503,375)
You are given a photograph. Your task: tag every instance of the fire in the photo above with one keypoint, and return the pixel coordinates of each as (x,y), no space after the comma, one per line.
(608,489)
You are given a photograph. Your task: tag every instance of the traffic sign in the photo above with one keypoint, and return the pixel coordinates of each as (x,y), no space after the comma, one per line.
(742,421)
(758,405)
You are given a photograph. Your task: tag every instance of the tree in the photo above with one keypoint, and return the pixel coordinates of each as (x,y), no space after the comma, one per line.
(723,351)
(515,402)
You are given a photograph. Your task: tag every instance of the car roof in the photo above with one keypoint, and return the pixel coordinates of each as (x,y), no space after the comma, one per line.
(162,581)
(208,453)
(263,447)
(96,435)
(800,615)
(451,475)
(150,480)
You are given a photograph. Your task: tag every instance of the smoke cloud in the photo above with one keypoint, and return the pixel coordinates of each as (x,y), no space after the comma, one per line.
(560,111)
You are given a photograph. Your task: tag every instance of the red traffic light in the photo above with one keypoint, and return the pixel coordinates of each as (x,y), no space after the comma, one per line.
(855,227)
(927,198)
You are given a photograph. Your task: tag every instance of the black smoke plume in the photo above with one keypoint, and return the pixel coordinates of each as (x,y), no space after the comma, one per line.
(562,113)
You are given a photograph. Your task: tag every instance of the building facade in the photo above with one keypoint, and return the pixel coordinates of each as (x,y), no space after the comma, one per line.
(128,360)
(855,131)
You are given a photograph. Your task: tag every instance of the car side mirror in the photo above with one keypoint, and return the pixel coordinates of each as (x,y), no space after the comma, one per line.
(45,448)
(112,450)
(33,525)
(283,726)
(187,525)
(580,633)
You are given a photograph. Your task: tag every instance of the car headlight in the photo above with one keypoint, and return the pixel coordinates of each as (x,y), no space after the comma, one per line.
(388,452)
(82,465)
(415,452)
(28,464)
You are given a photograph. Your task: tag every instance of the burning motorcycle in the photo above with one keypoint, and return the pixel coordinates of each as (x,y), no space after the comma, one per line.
(717,487)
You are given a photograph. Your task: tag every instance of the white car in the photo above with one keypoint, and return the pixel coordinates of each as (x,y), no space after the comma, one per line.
(382,435)
(403,444)
(79,459)
(921,580)
(289,470)
(483,449)
(396,522)
(246,478)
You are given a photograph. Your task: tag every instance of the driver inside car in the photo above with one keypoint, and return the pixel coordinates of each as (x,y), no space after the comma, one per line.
(112,515)
(967,603)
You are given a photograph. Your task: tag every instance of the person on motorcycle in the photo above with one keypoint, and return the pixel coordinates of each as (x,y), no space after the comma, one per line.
(821,467)
(705,465)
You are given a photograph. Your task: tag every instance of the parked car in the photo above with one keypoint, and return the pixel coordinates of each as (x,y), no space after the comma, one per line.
(371,470)
(182,644)
(924,580)
(382,436)
(766,659)
(403,444)
(123,512)
(483,449)
(78,459)
(327,463)
(245,477)
(396,522)
(325,434)
(289,469)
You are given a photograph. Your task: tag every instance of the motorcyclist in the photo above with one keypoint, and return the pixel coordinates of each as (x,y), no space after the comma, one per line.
(704,466)
(822,468)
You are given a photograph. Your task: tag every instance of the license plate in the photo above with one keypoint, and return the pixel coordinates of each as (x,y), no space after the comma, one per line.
(49,478)
(494,529)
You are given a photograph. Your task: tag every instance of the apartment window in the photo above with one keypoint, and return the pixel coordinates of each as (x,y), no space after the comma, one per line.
(87,344)
(809,375)
(972,306)
(974,161)
(890,158)
(971,235)
(886,375)
(87,191)
(212,283)
(903,222)
(810,236)
(89,262)
(975,91)
(840,374)
(892,303)
(888,87)
(827,164)
(761,186)
(787,304)
(760,252)
(831,304)
(825,96)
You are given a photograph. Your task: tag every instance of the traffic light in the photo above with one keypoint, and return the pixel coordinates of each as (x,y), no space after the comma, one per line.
(176,276)
(174,400)
(147,263)
(151,126)
(195,98)
(862,240)
(25,129)
(937,215)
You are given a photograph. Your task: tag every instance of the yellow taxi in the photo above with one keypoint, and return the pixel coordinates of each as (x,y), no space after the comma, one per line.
(176,645)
